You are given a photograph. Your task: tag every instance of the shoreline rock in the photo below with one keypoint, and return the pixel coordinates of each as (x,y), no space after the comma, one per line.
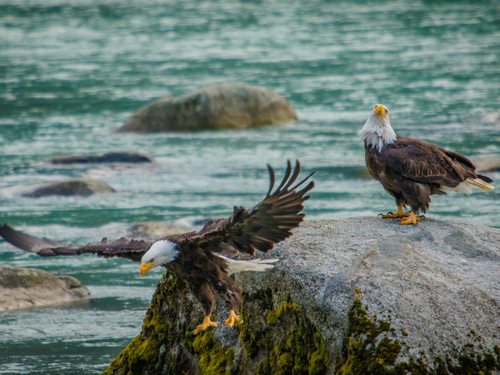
(221,106)
(22,288)
(84,188)
(353,296)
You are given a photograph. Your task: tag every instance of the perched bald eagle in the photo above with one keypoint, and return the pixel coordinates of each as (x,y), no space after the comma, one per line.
(412,170)
(197,257)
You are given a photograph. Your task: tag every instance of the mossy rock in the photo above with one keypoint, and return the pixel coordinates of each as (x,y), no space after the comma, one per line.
(222,106)
(348,297)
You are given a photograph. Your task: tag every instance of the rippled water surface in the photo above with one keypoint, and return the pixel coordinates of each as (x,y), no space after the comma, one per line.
(73,71)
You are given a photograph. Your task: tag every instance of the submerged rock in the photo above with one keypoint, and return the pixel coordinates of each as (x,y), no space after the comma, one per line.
(83,188)
(222,106)
(353,296)
(152,230)
(110,157)
(29,287)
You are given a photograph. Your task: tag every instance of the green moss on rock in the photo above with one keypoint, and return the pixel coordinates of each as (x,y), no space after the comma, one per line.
(284,338)
(276,337)
(368,350)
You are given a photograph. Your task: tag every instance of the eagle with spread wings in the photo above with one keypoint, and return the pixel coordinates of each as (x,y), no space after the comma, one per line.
(412,170)
(201,258)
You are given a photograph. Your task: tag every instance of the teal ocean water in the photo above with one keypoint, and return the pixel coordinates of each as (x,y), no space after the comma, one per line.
(73,71)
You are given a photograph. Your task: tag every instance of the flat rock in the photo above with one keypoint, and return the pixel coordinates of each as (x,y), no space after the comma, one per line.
(30,287)
(110,157)
(222,106)
(82,188)
(487,164)
(152,230)
(353,296)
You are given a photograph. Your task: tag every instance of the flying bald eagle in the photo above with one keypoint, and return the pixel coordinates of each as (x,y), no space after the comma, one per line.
(197,257)
(412,170)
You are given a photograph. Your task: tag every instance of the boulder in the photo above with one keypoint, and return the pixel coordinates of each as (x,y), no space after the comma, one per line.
(152,230)
(29,287)
(222,106)
(353,296)
(110,157)
(82,188)
(487,164)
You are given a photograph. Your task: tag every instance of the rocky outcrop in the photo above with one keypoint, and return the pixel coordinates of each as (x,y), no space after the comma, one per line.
(82,188)
(353,296)
(222,106)
(29,287)
(110,157)
(152,230)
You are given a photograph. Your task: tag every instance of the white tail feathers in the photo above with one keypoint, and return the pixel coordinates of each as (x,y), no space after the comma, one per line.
(236,266)
(466,186)
(480,184)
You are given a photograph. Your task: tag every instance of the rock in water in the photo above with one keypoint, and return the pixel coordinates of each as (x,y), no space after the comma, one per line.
(487,164)
(223,106)
(353,296)
(83,188)
(29,287)
(152,230)
(110,157)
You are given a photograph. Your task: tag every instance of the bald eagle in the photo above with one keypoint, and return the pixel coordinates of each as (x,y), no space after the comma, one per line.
(412,170)
(198,257)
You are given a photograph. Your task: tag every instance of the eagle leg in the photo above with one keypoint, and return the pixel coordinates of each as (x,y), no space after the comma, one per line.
(232,319)
(411,219)
(399,213)
(203,326)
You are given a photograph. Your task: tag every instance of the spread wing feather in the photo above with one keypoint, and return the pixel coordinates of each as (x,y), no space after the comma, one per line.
(425,162)
(123,248)
(262,226)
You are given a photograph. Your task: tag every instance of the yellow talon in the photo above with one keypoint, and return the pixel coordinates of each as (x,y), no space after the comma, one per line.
(232,319)
(203,326)
(411,219)
(399,213)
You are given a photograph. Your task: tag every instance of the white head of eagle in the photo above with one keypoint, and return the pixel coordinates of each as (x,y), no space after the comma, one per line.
(161,252)
(377,130)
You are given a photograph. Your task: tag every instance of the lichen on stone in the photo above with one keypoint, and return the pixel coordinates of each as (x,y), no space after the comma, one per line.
(276,337)
(368,350)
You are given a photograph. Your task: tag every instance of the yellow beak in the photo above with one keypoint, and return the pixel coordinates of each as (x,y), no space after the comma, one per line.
(380,110)
(145,267)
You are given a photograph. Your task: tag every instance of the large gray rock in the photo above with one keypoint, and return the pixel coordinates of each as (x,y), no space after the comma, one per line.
(222,106)
(29,287)
(353,296)
(82,188)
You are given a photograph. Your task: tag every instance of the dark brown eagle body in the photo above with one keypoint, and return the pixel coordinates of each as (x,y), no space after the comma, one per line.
(200,259)
(412,170)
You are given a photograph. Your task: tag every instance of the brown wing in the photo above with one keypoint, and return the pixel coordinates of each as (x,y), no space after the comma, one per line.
(123,248)
(260,227)
(425,162)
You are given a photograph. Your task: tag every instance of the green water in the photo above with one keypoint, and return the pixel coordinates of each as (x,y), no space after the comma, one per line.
(73,71)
